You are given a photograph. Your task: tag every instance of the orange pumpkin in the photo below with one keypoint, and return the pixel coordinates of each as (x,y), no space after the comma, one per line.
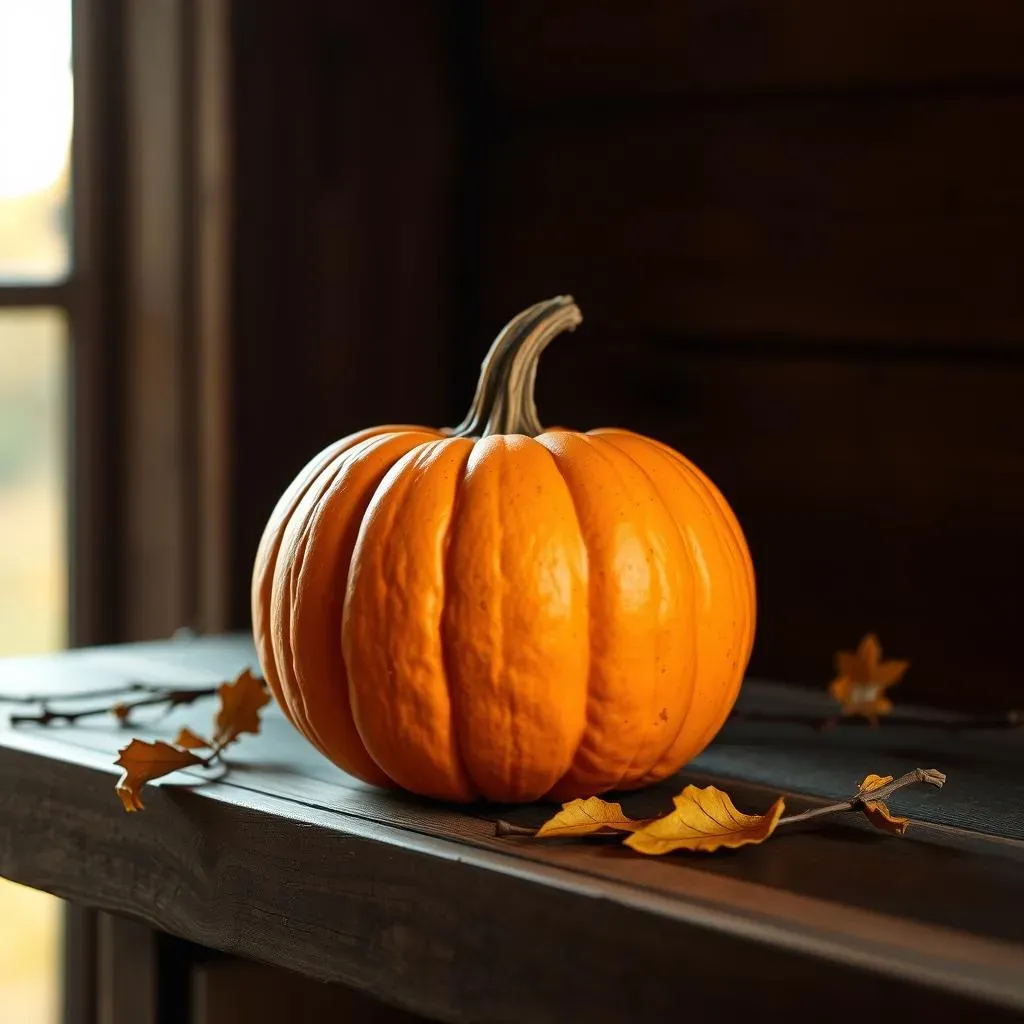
(502,612)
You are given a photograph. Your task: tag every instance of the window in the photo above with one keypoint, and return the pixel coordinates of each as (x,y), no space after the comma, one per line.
(35,270)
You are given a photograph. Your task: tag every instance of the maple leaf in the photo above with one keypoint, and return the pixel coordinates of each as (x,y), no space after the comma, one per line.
(592,816)
(875,810)
(142,762)
(239,711)
(704,819)
(191,741)
(863,678)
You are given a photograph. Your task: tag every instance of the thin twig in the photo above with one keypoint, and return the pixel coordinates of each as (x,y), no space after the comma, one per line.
(113,691)
(930,775)
(507,828)
(121,710)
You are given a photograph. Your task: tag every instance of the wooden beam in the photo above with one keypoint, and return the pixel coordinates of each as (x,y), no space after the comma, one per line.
(159,400)
(129,974)
(212,284)
(20,295)
(97,321)
(232,991)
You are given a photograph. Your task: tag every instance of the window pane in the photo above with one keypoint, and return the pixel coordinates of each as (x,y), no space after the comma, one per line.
(33,605)
(33,551)
(35,139)
(29,955)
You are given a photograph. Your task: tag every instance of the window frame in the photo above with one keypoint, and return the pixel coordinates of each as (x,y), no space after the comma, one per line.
(148,328)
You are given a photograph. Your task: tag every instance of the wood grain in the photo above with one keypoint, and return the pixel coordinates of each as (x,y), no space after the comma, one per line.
(541,51)
(873,220)
(454,932)
(282,861)
(159,407)
(129,972)
(342,294)
(880,496)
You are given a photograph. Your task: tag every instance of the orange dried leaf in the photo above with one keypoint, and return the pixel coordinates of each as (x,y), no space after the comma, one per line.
(190,740)
(863,677)
(239,711)
(873,782)
(142,762)
(592,816)
(705,819)
(876,811)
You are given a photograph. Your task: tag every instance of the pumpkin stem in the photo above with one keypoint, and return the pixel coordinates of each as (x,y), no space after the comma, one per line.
(503,403)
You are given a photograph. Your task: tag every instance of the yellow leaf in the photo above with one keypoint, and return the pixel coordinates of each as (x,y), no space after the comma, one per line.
(142,762)
(873,782)
(880,816)
(592,816)
(190,740)
(239,711)
(704,819)
(876,811)
(863,677)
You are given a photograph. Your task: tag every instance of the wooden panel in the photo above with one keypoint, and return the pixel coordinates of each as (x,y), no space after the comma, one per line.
(97,335)
(129,972)
(212,276)
(341,289)
(80,974)
(875,495)
(874,219)
(242,992)
(542,50)
(159,414)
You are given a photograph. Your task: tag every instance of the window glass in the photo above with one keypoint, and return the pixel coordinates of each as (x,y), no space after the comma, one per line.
(35,140)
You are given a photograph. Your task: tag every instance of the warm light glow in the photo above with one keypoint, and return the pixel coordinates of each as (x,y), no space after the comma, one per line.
(35,94)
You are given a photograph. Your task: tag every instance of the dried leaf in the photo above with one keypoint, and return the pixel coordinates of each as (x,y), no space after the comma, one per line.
(876,811)
(239,711)
(863,677)
(704,819)
(592,816)
(121,711)
(190,740)
(142,762)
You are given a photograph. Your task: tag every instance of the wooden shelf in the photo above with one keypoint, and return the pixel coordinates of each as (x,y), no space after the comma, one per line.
(285,860)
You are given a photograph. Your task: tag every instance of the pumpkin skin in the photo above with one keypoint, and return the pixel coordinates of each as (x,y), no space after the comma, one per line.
(500,611)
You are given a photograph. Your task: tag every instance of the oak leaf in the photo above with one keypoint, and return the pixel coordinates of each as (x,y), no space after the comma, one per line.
(239,711)
(592,816)
(704,820)
(191,741)
(863,678)
(876,811)
(142,762)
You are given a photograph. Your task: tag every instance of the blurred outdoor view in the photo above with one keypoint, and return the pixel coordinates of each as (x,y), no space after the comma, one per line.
(35,135)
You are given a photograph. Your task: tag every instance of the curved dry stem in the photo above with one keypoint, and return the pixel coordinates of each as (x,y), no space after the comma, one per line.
(504,403)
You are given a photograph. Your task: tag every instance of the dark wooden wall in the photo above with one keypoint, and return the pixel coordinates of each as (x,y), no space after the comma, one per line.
(794,231)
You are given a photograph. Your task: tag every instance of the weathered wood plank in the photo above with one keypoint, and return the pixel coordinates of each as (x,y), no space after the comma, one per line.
(536,50)
(466,934)
(284,858)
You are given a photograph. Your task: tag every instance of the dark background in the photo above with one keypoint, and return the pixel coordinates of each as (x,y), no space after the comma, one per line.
(794,230)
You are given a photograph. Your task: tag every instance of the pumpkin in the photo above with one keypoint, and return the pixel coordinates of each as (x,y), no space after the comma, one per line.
(498,611)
